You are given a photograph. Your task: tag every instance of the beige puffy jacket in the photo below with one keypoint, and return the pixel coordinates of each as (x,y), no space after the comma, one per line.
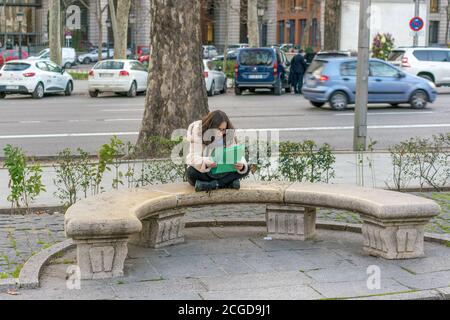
(199,155)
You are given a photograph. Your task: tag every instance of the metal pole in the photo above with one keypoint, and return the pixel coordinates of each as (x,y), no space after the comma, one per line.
(362,86)
(416,14)
(20,40)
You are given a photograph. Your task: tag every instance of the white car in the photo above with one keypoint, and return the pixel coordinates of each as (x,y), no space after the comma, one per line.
(216,80)
(124,77)
(430,63)
(69,56)
(92,56)
(35,77)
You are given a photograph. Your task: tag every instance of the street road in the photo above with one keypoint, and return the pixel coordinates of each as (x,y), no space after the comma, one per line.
(44,127)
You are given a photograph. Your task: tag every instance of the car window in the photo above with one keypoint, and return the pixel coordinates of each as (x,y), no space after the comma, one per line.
(53,67)
(42,66)
(348,69)
(109,65)
(316,67)
(256,58)
(396,56)
(378,69)
(211,66)
(16,67)
(422,55)
(439,56)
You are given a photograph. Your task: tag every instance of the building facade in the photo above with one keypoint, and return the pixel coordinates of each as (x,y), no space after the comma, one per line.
(299,23)
(81,29)
(438,24)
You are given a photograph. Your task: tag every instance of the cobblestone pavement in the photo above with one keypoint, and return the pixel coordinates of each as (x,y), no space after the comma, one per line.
(22,236)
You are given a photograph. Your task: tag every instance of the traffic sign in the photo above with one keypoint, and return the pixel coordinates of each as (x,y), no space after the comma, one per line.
(416,24)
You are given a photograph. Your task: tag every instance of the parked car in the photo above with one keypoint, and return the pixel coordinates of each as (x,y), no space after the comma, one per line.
(231,55)
(9,55)
(432,64)
(124,77)
(209,52)
(69,56)
(334,81)
(332,54)
(92,56)
(216,80)
(35,77)
(261,68)
(286,47)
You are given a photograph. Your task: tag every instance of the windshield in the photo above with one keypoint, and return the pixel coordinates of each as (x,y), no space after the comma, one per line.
(16,67)
(110,65)
(256,58)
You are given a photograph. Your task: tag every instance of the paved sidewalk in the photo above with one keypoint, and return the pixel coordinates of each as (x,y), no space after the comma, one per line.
(237,263)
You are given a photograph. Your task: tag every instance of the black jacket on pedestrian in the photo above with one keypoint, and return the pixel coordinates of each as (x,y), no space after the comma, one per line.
(298,64)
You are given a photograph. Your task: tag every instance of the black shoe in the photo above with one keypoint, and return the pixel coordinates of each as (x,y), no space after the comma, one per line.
(236,184)
(206,185)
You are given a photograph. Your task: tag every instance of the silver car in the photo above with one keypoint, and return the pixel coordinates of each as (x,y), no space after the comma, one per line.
(92,56)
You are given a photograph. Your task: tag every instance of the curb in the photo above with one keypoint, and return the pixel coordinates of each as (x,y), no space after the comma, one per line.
(29,275)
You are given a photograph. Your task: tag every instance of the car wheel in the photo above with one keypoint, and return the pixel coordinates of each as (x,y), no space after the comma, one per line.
(338,101)
(418,99)
(132,92)
(86,60)
(237,91)
(212,89)
(93,94)
(38,92)
(69,89)
(67,65)
(225,87)
(317,104)
(2,95)
(277,89)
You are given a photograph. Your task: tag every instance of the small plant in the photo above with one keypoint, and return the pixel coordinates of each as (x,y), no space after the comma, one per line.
(382,45)
(25,181)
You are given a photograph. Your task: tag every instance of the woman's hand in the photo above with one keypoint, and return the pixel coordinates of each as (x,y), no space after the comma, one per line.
(239,166)
(212,165)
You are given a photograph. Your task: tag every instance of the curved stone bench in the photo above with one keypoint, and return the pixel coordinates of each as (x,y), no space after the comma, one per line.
(101,226)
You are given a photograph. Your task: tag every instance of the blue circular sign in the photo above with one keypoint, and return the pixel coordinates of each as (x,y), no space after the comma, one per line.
(416,24)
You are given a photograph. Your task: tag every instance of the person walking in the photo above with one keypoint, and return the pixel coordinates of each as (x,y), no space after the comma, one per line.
(298,69)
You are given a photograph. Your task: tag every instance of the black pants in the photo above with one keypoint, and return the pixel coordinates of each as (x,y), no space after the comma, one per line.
(297,82)
(223,179)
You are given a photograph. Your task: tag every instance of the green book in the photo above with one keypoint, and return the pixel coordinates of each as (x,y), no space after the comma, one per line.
(226,158)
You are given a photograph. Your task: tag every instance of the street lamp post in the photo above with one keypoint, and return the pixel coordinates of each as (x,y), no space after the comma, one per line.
(108,25)
(260,16)
(19,19)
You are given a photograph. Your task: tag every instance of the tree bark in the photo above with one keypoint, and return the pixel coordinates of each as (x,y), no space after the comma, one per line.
(332,25)
(226,34)
(252,24)
(176,92)
(99,16)
(448,22)
(55,31)
(121,29)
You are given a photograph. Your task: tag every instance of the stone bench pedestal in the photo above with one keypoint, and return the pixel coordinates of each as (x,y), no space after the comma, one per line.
(394,239)
(291,222)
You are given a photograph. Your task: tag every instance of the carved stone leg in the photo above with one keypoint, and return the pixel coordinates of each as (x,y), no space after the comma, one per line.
(164,229)
(393,239)
(101,258)
(291,222)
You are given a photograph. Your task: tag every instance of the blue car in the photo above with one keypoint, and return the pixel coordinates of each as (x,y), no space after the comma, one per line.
(261,68)
(334,81)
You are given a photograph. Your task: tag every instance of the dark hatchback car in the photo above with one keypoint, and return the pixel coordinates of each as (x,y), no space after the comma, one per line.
(261,68)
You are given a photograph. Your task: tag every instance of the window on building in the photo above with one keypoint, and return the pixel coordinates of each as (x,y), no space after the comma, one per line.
(314,33)
(434,6)
(302,29)
(434,32)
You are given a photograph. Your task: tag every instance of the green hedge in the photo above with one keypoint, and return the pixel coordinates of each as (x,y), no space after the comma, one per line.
(79,75)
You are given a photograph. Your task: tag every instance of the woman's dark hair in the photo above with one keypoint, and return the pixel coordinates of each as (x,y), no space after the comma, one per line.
(212,121)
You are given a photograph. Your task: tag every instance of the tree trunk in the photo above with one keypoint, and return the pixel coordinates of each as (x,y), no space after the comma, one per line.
(176,92)
(226,34)
(121,32)
(332,25)
(100,29)
(55,31)
(252,24)
(448,23)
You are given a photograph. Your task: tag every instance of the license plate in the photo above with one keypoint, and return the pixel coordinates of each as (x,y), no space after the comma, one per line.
(12,87)
(311,83)
(255,76)
(106,75)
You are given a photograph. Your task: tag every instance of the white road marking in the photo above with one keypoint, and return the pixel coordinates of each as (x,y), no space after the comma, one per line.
(115,120)
(385,113)
(121,110)
(26,122)
(98,134)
